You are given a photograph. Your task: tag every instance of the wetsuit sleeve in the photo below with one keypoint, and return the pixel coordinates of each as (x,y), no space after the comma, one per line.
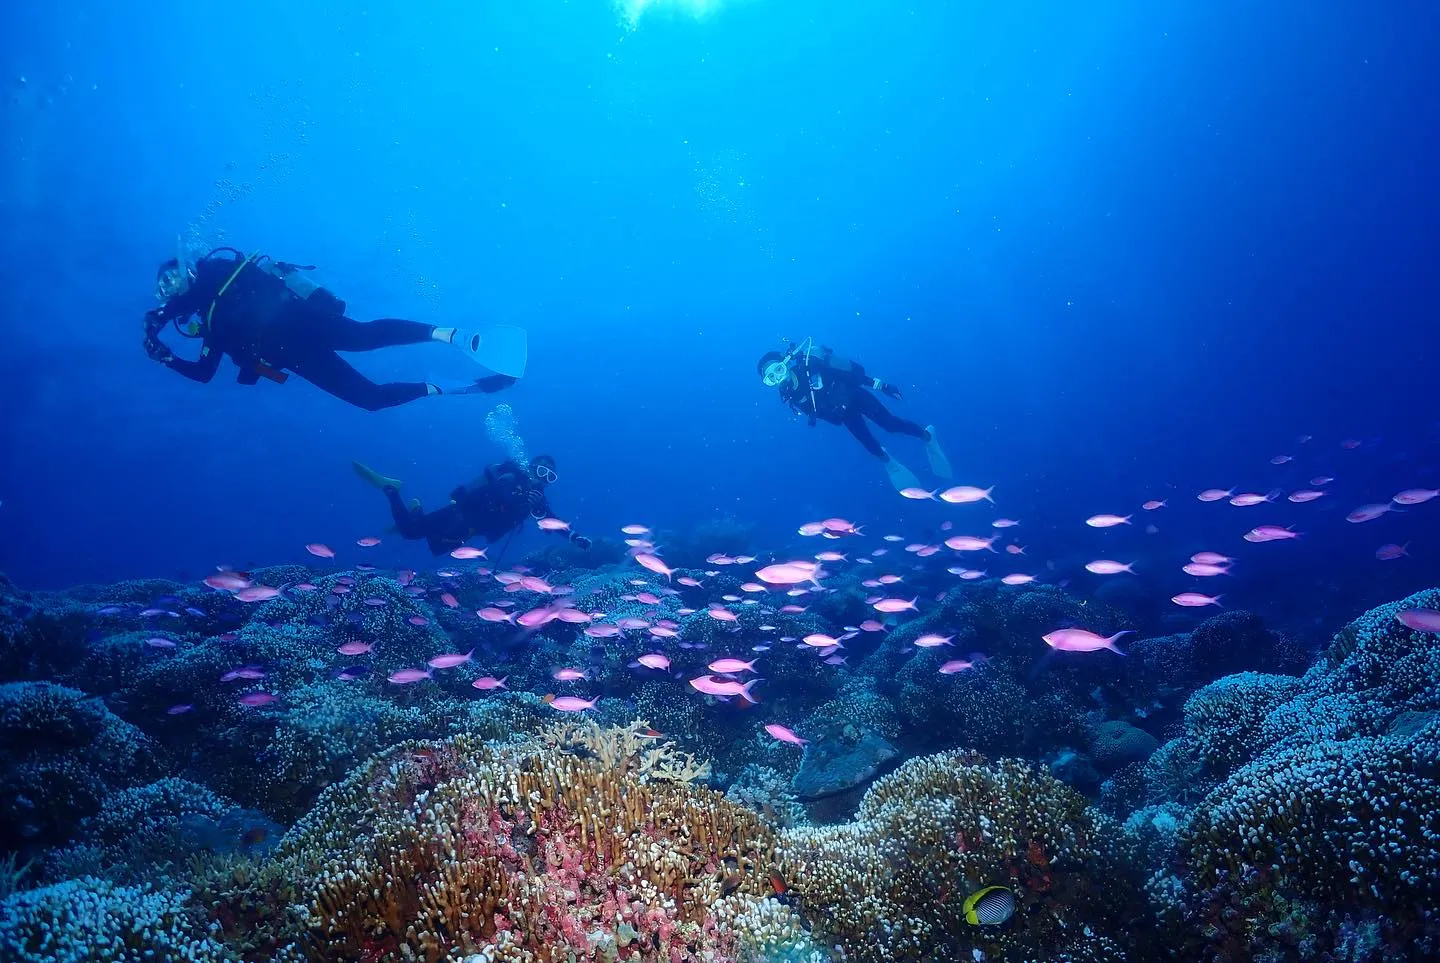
(202,369)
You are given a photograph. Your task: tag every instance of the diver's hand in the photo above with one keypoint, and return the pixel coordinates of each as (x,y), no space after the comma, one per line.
(581,541)
(157,351)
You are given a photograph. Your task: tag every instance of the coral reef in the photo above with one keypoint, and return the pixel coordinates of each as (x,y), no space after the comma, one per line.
(61,753)
(890,884)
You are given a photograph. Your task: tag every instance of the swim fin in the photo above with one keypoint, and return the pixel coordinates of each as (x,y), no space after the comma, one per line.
(900,476)
(503,348)
(939,464)
(374,477)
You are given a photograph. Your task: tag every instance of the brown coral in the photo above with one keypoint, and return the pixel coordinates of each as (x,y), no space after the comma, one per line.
(526,852)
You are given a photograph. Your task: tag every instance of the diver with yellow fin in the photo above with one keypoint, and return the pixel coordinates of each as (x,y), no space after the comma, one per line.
(272,320)
(814,381)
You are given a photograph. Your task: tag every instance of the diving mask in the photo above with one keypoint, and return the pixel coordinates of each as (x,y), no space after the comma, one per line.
(173,281)
(776,372)
(546,474)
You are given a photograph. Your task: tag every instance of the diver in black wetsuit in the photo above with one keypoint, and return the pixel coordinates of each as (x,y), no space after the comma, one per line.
(816,382)
(270,319)
(490,507)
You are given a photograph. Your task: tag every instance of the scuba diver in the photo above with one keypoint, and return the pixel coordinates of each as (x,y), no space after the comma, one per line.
(491,506)
(818,383)
(271,319)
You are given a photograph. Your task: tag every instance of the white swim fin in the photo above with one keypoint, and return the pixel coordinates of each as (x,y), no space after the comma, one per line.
(503,348)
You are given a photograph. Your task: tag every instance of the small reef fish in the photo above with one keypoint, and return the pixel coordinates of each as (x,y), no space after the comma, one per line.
(1082,640)
(450,660)
(320,550)
(966,494)
(785,735)
(407,676)
(573,703)
(731,666)
(1107,521)
(369,541)
(1105,566)
(488,683)
(891,606)
(710,685)
(990,906)
(1196,600)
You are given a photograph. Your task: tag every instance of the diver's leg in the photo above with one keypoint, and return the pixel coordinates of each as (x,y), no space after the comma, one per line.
(330,373)
(409,522)
(874,409)
(339,333)
(862,433)
(900,476)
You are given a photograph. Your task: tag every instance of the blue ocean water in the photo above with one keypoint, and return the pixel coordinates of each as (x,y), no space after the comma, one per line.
(1113,252)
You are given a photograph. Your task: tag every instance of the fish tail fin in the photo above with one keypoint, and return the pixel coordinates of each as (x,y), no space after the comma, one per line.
(745,692)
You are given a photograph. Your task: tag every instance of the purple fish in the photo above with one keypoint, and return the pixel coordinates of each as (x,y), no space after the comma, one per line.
(1421,620)
(257,699)
(179,709)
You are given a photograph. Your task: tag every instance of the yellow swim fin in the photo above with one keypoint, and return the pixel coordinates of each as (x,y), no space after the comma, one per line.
(374,477)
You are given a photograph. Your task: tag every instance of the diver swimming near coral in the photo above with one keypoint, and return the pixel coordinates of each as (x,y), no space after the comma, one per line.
(491,506)
(271,319)
(816,382)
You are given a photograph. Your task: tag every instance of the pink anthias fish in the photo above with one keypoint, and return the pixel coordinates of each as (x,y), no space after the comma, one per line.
(1107,521)
(1004,523)
(1321,480)
(831,557)
(369,541)
(918,494)
(1015,549)
(160,643)
(1204,570)
(971,543)
(1104,566)
(810,529)
(955,665)
(1193,600)
(605,631)
(890,579)
(752,587)
(257,593)
(449,600)
(573,703)
(841,526)
(355,648)
(966,494)
(320,550)
(896,605)
(489,683)
(228,582)
(1368,513)
(569,675)
(654,564)
(248,672)
(654,660)
(465,552)
(710,685)
(634,530)
(257,699)
(552,525)
(407,676)
(1415,496)
(1017,578)
(1304,495)
(1215,494)
(1388,553)
(1421,620)
(820,640)
(1269,533)
(1153,504)
(1211,558)
(450,660)
(1083,640)
(790,573)
(179,709)
(870,625)
(721,614)
(491,614)
(1281,459)
(1246,499)
(731,666)
(785,735)
(932,641)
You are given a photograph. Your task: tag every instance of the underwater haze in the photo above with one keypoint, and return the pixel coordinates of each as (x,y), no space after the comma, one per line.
(1158,281)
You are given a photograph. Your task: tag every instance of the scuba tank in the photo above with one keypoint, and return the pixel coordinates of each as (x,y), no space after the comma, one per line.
(297,283)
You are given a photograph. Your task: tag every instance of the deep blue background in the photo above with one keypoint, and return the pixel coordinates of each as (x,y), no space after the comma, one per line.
(1113,252)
